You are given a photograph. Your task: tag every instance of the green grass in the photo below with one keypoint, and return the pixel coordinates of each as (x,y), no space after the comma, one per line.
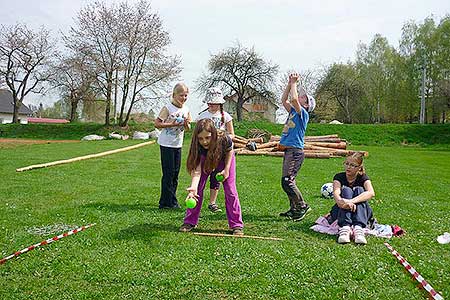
(135,251)
(356,134)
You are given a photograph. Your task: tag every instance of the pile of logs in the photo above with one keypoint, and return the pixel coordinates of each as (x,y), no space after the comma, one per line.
(325,146)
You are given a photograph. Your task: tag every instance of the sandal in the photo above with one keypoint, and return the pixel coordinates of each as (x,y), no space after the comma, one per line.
(187,227)
(238,231)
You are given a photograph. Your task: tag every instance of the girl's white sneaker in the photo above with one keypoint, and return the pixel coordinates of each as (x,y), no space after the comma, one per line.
(344,235)
(359,235)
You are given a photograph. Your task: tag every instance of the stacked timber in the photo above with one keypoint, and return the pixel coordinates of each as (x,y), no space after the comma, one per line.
(325,146)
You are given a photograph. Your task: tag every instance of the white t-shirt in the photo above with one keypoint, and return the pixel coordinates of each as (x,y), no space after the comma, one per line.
(216,118)
(172,136)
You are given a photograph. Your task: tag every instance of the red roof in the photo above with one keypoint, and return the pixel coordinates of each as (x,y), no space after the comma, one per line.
(45,120)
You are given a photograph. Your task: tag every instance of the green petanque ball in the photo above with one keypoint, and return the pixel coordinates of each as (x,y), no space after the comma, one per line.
(191,203)
(219,177)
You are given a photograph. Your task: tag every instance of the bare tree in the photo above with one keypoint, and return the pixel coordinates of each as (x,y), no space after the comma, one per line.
(126,46)
(308,81)
(145,68)
(241,71)
(96,36)
(75,80)
(25,57)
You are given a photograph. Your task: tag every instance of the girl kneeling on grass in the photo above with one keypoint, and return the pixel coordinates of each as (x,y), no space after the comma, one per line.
(351,191)
(211,151)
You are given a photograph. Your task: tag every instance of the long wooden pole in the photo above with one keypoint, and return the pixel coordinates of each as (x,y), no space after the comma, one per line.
(66,161)
(238,236)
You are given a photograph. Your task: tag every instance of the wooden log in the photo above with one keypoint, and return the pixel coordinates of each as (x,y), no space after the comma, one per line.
(239,145)
(238,236)
(259,140)
(281,154)
(321,136)
(267,145)
(341,145)
(324,140)
(336,152)
(317,155)
(66,161)
(274,138)
(240,139)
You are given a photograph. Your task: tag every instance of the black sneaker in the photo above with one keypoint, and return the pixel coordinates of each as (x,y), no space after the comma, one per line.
(298,215)
(214,208)
(288,214)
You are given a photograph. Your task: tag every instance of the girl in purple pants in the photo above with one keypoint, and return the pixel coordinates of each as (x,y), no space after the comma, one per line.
(211,151)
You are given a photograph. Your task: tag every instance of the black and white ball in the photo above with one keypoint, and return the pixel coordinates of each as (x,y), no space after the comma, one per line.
(327,190)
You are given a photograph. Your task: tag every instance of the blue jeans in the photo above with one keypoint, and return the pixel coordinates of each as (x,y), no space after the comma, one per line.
(346,217)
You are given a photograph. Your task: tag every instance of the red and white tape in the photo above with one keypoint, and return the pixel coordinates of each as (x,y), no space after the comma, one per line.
(51,240)
(415,274)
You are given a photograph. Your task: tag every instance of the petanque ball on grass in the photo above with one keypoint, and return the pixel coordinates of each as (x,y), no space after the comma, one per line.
(191,203)
(220,177)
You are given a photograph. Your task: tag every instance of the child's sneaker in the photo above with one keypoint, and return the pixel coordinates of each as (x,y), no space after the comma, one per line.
(214,208)
(287,214)
(298,215)
(344,235)
(238,231)
(186,227)
(359,235)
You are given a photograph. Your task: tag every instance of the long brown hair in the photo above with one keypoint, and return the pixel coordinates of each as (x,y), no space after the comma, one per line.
(215,151)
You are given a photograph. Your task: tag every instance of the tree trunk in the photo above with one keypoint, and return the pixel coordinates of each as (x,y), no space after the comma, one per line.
(108,100)
(239,104)
(16,106)
(73,110)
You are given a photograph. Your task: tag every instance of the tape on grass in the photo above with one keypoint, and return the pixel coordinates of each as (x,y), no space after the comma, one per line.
(45,242)
(415,274)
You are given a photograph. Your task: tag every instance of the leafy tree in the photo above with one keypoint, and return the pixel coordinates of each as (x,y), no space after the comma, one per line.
(342,83)
(25,56)
(241,71)
(375,63)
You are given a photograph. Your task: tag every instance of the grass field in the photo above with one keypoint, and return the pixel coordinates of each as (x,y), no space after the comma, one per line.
(136,252)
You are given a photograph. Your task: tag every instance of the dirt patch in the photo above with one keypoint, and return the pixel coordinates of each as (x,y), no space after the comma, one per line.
(13,143)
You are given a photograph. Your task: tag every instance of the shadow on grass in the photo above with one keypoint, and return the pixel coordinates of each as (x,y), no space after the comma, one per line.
(127,207)
(305,228)
(145,231)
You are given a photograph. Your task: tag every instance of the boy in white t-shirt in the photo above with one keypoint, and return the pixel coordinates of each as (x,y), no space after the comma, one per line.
(223,122)
(173,119)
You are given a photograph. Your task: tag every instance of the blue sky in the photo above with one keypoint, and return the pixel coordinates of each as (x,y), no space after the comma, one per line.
(296,35)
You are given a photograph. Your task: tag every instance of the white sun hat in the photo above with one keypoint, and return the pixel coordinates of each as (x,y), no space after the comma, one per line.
(214,96)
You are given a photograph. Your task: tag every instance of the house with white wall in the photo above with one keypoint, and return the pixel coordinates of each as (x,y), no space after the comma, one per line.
(7,107)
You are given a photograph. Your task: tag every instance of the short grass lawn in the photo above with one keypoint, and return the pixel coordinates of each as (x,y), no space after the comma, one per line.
(136,252)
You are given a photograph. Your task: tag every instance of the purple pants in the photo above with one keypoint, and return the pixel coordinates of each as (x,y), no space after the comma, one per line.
(232,205)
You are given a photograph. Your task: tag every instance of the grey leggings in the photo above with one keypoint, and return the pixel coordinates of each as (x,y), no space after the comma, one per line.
(292,162)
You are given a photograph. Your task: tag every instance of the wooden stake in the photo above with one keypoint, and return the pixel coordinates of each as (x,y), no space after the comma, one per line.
(238,236)
(66,161)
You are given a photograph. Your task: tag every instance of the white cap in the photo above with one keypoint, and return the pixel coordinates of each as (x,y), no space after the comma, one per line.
(311,103)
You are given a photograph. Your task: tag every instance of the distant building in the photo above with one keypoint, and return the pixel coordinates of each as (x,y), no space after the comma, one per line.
(265,107)
(7,108)
(47,121)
